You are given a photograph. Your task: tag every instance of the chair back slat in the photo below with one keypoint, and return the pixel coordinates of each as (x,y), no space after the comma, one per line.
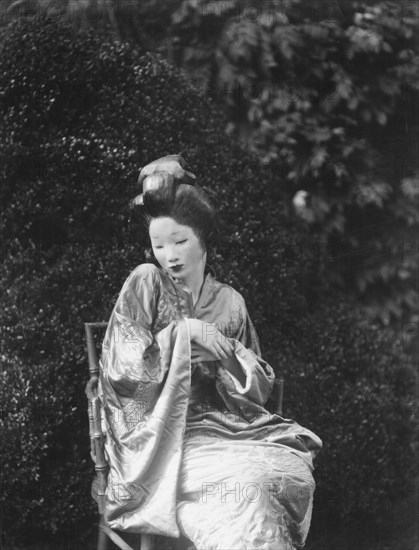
(279,397)
(97,437)
(91,346)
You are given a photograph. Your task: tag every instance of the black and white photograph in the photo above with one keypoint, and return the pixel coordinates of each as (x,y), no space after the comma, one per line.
(209,281)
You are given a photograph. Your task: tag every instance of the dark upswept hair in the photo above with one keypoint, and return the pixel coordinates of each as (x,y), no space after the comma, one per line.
(187,205)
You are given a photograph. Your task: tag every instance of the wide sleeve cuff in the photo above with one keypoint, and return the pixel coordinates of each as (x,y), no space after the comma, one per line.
(247,372)
(259,375)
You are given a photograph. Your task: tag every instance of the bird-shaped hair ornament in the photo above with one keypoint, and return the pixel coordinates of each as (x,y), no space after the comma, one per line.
(164,173)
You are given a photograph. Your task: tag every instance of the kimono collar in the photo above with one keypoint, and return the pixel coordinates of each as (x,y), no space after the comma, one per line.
(175,288)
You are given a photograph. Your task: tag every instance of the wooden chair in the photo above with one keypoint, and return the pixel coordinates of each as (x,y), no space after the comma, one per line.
(97,453)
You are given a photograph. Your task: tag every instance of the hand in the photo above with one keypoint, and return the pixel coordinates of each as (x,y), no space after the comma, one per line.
(210,338)
(199,354)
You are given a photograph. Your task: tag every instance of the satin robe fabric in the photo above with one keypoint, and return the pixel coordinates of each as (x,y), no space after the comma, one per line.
(191,450)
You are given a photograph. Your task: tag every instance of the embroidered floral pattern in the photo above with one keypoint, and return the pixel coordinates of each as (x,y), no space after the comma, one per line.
(268,531)
(166,311)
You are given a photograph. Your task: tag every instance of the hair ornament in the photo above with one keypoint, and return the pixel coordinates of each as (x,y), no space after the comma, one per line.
(164,173)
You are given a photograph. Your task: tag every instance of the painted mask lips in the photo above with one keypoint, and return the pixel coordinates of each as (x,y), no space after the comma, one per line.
(176,268)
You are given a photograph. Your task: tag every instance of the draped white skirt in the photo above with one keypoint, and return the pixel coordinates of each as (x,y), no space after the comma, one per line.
(244,495)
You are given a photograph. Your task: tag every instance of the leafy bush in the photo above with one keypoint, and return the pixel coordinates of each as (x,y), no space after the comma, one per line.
(325,93)
(80,116)
(351,382)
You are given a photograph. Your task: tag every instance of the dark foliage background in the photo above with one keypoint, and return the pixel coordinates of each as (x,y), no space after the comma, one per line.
(323,93)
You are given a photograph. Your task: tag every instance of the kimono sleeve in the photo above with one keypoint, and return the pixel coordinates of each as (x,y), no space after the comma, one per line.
(259,374)
(144,387)
(130,353)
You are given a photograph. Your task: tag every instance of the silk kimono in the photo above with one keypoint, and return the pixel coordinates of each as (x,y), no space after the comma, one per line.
(192,450)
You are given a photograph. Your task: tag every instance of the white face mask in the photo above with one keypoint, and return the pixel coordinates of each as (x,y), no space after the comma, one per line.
(176,245)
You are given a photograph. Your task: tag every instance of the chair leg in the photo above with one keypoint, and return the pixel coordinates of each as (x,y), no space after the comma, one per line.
(106,533)
(102,540)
